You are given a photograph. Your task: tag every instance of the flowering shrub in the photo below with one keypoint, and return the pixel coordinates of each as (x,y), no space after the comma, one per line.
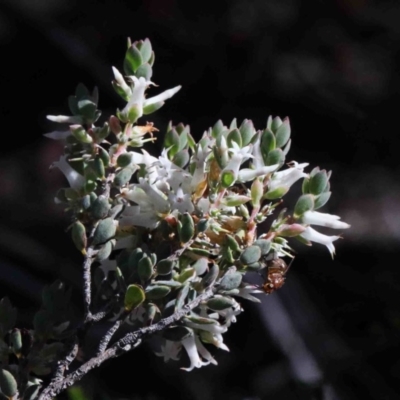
(167,240)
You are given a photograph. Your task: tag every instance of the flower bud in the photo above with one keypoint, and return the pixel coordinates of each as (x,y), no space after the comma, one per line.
(78,233)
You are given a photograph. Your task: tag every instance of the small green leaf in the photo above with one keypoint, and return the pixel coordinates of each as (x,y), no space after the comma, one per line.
(157,292)
(211,276)
(219,303)
(134,297)
(145,269)
(78,234)
(124,176)
(318,183)
(321,200)
(186,232)
(105,251)
(165,267)
(8,384)
(250,255)
(304,203)
(283,133)
(8,316)
(231,281)
(181,158)
(99,208)
(264,245)
(105,231)
(149,109)
(133,59)
(275,157)
(124,159)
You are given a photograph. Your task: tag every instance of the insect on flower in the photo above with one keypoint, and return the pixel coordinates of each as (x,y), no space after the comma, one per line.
(276,270)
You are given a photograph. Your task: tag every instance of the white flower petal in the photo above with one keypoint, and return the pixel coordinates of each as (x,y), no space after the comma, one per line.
(162,96)
(317,237)
(322,219)
(76,180)
(58,135)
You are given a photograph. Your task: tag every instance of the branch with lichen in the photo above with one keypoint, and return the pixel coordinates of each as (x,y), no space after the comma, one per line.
(166,240)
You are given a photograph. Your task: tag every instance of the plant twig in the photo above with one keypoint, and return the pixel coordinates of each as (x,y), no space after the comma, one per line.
(87,284)
(127,343)
(108,336)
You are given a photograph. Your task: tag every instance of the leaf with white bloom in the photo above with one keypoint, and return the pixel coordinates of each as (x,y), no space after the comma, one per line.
(321,219)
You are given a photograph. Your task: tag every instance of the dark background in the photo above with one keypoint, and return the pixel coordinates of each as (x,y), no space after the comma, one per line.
(333,331)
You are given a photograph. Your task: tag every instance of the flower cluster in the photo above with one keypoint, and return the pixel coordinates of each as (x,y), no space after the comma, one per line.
(163,230)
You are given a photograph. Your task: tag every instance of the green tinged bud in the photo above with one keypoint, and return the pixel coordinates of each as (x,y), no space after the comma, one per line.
(78,233)
(250,255)
(8,384)
(149,109)
(151,311)
(134,297)
(227,179)
(105,231)
(186,232)
(276,193)
(304,203)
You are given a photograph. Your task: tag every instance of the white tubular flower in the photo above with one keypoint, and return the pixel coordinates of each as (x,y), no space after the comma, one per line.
(65,119)
(170,350)
(247,291)
(190,346)
(137,98)
(76,180)
(314,236)
(58,135)
(203,351)
(248,174)
(287,177)
(321,219)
